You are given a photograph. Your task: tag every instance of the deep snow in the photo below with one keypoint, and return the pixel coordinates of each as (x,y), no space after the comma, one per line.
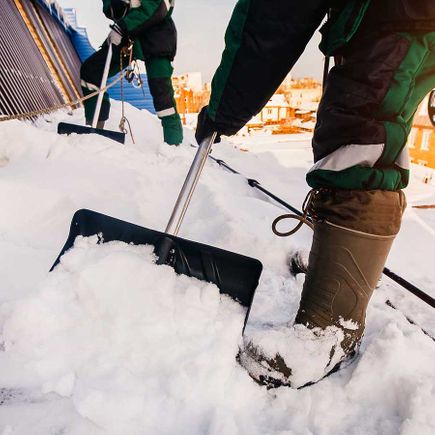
(111,343)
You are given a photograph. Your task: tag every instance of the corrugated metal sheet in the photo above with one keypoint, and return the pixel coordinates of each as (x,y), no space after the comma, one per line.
(41,50)
(26,82)
(61,40)
(57,45)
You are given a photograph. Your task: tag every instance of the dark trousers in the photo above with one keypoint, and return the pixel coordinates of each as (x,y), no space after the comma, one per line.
(159,72)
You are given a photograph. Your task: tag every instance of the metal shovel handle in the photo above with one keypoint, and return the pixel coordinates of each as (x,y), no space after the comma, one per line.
(189,185)
(102,86)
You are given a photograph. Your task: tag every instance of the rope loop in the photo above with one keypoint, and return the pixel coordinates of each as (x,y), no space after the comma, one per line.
(306,219)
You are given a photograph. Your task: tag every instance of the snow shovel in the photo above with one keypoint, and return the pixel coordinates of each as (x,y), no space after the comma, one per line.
(65,128)
(235,275)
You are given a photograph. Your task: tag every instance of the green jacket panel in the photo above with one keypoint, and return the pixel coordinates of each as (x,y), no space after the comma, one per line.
(384,15)
(341,28)
(149,13)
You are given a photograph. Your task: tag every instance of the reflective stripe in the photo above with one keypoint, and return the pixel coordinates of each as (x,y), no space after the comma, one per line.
(166,112)
(403,160)
(89,86)
(350,155)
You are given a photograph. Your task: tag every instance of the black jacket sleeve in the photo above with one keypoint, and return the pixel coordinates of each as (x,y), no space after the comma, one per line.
(264,40)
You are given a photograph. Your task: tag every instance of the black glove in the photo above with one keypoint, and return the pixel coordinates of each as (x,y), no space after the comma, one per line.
(206,127)
(117,9)
(116,35)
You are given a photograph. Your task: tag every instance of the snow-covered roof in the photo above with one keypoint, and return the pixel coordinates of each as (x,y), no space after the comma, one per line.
(110,342)
(278,100)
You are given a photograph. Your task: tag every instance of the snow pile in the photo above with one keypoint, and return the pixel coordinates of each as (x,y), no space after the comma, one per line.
(110,343)
(121,336)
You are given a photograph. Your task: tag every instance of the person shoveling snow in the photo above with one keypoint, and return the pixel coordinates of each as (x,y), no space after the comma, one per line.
(361,165)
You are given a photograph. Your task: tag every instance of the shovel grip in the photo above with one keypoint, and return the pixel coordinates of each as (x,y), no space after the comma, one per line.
(189,186)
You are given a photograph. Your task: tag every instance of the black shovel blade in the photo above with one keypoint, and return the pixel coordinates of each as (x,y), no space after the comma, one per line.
(234,274)
(65,128)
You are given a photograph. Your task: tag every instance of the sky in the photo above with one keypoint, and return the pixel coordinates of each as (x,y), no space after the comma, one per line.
(201,27)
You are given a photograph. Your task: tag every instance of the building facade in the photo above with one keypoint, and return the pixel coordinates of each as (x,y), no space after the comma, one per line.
(421,142)
(191,94)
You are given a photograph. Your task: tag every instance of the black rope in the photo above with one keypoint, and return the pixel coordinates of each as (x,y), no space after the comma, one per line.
(410,287)
(387,272)
(256,185)
(391,305)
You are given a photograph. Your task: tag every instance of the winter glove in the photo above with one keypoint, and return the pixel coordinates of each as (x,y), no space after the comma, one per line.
(117,9)
(116,35)
(206,127)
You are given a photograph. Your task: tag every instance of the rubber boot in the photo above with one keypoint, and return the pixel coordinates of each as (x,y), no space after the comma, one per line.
(172,129)
(343,270)
(353,234)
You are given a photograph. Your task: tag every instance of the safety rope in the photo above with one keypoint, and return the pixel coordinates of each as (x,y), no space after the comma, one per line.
(126,51)
(394,307)
(305,219)
(424,207)
(36,113)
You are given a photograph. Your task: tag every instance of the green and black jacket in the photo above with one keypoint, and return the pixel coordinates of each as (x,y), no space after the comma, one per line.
(369,102)
(264,40)
(138,19)
(149,22)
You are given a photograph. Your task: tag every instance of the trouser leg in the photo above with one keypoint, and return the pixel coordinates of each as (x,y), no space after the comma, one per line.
(367,110)
(91,74)
(159,72)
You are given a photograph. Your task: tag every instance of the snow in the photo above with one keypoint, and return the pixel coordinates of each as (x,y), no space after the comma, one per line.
(110,343)
(306,352)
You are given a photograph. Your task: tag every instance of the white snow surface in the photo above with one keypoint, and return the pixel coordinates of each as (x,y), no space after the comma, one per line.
(110,343)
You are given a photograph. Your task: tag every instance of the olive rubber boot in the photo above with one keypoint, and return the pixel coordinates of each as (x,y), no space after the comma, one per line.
(172,129)
(353,234)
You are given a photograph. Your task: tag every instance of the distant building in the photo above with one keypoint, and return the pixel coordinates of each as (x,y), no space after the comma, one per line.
(191,80)
(304,99)
(292,109)
(190,93)
(276,111)
(184,98)
(421,141)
